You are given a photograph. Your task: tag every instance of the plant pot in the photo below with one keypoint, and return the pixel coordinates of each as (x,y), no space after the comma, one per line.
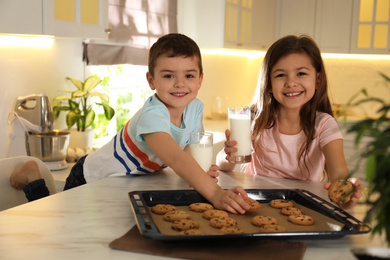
(81,139)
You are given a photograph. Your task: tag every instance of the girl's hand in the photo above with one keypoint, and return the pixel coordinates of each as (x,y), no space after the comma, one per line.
(232,200)
(213,172)
(355,197)
(230,147)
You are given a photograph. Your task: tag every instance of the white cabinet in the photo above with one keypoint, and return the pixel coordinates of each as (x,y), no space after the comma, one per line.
(202,21)
(328,22)
(237,24)
(333,25)
(63,18)
(249,24)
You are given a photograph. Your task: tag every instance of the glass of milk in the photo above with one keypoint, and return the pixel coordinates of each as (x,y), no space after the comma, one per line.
(201,149)
(240,131)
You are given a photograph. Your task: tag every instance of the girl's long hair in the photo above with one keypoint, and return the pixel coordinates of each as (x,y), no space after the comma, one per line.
(265,106)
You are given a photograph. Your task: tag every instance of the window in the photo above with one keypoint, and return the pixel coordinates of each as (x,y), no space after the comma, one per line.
(128,90)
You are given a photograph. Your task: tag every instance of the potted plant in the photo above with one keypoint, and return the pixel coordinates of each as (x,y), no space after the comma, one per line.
(377,156)
(79,105)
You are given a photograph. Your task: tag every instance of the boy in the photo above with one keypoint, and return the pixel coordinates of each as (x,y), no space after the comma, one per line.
(158,134)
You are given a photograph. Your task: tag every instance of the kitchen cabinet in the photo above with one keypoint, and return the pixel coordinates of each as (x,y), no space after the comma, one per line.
(237,24)
(249,24)
(370,31)
(328,22)
(63,18)
(202,21)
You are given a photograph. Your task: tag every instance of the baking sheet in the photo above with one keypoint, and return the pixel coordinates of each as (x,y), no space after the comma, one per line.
(329,220)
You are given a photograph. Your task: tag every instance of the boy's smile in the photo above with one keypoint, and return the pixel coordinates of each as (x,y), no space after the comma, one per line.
(176,81)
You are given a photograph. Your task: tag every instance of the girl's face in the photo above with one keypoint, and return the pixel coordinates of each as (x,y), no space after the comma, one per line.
(176,81)
(294,81)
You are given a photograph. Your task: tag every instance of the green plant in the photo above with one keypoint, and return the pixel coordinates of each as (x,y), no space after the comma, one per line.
(377,155)
(79,104)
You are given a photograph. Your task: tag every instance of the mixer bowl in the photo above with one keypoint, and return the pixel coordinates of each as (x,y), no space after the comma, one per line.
(48,146)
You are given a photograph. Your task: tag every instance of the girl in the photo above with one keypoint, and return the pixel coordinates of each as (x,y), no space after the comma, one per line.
(295,135)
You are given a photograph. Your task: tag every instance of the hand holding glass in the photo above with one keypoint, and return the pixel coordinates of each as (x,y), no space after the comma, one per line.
(240,131)
(201,149)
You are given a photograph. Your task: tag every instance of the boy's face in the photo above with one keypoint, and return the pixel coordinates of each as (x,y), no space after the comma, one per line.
(176,81)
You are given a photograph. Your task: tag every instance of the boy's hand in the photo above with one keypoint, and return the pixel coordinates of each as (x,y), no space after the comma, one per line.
(355,197)
(232,200)
(213,172)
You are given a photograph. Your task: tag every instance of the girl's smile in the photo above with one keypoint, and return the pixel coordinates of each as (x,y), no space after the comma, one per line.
(294,80)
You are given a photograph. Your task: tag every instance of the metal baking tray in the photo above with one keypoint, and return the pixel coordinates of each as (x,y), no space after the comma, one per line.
(141,201)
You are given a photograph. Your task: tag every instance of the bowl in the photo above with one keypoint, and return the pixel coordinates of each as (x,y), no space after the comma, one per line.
(48,146)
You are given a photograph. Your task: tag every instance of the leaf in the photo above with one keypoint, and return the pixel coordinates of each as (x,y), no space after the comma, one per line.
(77,83)
(102,96)
(79,93)
(370,167)
(71,119)
(89,117)
(91,83)
(109,112)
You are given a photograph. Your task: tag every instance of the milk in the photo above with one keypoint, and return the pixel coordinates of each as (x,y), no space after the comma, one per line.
(203,154)
(240,131)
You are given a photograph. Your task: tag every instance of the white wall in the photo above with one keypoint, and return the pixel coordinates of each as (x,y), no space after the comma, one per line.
(25,71)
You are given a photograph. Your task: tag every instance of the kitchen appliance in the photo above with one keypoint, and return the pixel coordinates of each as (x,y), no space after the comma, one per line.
(33,134)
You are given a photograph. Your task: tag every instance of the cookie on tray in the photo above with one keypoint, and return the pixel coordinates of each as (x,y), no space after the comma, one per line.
(214,213)
(341,191)
(280,203)
(200,206)
(176,215)
(287,211)
(185,224)
(254,204)
(223,222)
(271,229)
(191,232)
(231,230)
(161,209)
(303,220)
(263,220)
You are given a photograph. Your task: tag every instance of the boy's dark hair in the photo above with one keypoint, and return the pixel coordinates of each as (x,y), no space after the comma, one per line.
(173,45)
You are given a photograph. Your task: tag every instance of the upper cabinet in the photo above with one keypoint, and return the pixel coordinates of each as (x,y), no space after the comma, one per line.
(328,22)
(63,18)
(370,32)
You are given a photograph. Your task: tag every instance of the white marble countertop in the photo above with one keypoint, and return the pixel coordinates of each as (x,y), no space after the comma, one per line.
(81,222)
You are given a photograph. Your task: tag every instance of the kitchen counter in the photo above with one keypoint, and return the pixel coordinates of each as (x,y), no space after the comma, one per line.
(81,222)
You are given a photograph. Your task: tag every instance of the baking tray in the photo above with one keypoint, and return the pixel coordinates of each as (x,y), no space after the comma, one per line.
(340,222)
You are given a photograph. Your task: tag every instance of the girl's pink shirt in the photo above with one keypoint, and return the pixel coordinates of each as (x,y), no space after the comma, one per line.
(277,156)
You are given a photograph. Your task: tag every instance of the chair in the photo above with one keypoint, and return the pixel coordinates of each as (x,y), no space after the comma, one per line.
(10,197)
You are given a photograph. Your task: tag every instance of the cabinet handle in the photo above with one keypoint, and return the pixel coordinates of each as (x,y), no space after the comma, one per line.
(108,31)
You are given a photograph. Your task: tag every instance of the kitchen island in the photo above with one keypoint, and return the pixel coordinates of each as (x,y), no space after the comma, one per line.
(81,222)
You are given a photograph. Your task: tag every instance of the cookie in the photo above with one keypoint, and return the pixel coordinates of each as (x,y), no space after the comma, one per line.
(214,213)
(161,209)
(341,191)
(176,215)
(263,220)
(271,229)
(291,211)
(200,207)
(280,203)
(185,224)
(254,204)
(303,220)
(231,230)
(222,222)
(191,232)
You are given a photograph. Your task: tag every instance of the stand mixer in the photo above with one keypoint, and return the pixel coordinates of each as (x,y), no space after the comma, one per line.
(32,132)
